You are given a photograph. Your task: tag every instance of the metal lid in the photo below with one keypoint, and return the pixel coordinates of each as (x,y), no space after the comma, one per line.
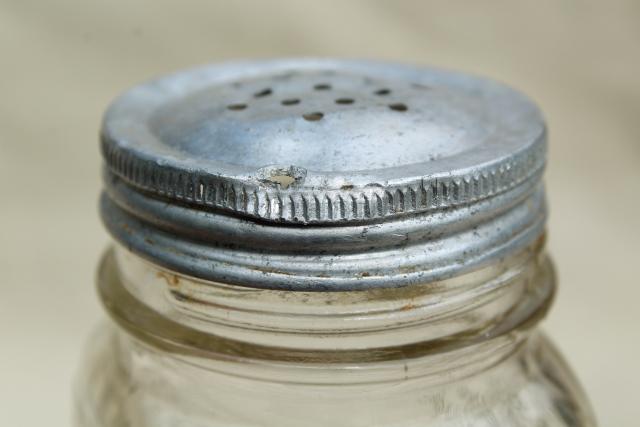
(323,141)
(317,142)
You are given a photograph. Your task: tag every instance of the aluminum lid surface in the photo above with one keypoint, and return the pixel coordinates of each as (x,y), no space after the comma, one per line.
(323,141)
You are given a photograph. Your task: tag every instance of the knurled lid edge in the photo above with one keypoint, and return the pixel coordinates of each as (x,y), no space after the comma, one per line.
(271,202)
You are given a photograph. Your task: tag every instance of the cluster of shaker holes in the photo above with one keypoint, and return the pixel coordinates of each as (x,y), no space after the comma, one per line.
(317,115)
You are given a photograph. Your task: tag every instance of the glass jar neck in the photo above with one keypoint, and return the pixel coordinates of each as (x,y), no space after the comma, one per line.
(479,316)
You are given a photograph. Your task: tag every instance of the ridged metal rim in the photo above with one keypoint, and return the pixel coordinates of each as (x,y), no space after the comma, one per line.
(308,206)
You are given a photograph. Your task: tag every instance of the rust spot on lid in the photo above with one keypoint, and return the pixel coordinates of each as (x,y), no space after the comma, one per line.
(171,279)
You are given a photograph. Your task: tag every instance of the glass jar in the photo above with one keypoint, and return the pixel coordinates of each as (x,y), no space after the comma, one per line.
(321,242)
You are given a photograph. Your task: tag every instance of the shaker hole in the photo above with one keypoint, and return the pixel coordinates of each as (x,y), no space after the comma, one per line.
(382,92)
(322,86)
(237,107)
(263,93)
(290,101)
(313,117)
(345,101)
(398,107)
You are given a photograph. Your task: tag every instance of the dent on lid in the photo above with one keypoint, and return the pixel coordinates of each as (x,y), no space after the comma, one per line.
(323,140)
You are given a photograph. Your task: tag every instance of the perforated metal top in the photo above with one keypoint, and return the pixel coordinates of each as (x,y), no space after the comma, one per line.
(322,141)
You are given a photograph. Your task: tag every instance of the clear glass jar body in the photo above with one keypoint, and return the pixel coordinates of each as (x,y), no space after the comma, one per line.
(461,352)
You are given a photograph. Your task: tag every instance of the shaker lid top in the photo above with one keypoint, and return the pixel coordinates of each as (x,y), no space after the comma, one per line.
(317,140)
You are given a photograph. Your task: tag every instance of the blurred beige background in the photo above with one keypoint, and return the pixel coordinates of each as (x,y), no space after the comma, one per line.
(61,63)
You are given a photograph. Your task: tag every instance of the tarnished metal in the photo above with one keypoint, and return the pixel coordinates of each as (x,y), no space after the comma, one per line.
(323,174)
